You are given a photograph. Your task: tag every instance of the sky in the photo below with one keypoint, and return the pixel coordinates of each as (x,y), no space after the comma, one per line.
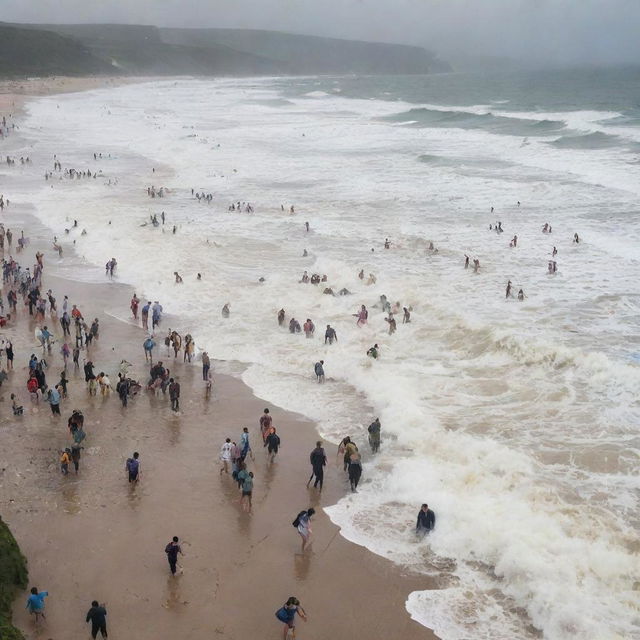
(540,32)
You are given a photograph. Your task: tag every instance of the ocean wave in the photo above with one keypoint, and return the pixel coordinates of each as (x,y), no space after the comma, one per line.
(494,122)
(595,140)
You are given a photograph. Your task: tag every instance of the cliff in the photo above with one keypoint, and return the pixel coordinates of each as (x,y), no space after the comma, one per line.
(87,49)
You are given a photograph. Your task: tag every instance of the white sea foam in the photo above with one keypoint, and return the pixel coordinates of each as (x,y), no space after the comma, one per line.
(516,421)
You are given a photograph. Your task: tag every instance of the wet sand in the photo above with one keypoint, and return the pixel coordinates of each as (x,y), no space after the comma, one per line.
(94,536)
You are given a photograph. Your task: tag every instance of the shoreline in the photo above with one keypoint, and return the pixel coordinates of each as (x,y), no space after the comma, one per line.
(278,500)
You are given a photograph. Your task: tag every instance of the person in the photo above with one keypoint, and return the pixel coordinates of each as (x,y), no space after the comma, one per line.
(318,461)
(132,467)
(508,290)
(245,447)
(303,524)
(330,335)
(18,410)
(206,365)
(265,424)
(392,323)
(174,394)
(65,459)
(134,306)
(247,490)
(287,615)
(373,352)
(122,389)
(308,328)
(348,449)
(272,442)
(355,470)
(406,318)
(319,370)
(576,238)
(75,455)
(362,316)
(426,520)
(97,615)
(281,317)
(225,310)
(53,398)
(374,435)
(225,455)
(148,345)
(35,603)
(172,550)
(520,295)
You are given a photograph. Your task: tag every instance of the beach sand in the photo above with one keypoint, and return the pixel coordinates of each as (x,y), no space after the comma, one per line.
(94,536)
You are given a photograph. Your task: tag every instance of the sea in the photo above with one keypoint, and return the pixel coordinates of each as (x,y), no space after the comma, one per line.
(517,421)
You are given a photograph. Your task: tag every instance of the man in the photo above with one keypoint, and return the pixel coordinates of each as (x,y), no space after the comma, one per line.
(174,394)
(122,388)
(319,371)
(172,550)
(225,455)
(148,345)
(426,520)
(133,467)
(374,435)
(145,315)
(53,398)
(206,365)
(97,615)
(318,461)
(330,335)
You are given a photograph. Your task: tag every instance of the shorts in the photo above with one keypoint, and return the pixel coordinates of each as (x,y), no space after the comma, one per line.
(133,477)
(247,493)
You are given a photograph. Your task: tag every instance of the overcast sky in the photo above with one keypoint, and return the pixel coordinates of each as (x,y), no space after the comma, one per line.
(542,31)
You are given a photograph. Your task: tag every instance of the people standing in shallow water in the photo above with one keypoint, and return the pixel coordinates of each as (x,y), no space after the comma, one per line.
(319,371)
(374,435)
(281,316)
(426,520)
(330,335)
(225,310)
(576,238)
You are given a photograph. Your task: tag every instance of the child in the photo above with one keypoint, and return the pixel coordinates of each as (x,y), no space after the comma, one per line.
(65,459)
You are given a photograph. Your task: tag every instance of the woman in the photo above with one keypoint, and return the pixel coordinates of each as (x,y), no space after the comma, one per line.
(287,614)
(304,527)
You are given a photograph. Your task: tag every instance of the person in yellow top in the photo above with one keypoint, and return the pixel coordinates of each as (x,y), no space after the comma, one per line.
(65,459)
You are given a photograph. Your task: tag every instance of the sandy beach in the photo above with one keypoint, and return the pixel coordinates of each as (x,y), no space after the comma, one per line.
(95,536)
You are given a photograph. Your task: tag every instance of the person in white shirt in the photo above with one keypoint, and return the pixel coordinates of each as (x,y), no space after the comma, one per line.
(225,456)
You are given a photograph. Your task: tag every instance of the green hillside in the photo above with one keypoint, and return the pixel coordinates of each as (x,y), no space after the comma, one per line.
(13,576)
(25,52)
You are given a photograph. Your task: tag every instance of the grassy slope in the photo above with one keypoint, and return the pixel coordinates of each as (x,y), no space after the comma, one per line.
(28,52)
(13,576)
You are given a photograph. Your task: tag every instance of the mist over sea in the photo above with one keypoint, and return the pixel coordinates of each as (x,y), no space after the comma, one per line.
(516,421)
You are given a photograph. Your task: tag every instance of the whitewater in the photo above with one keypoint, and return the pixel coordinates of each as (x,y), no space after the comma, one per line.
(516,421)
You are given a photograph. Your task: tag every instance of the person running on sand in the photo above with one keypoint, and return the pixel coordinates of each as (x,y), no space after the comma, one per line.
(35,603)
(172,550)
(225,456)
(287,615)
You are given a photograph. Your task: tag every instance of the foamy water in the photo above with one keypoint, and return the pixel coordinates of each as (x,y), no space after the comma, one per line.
(517,422)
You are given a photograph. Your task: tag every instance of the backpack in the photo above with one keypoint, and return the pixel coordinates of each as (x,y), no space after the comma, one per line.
(296,522)
(282,614)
